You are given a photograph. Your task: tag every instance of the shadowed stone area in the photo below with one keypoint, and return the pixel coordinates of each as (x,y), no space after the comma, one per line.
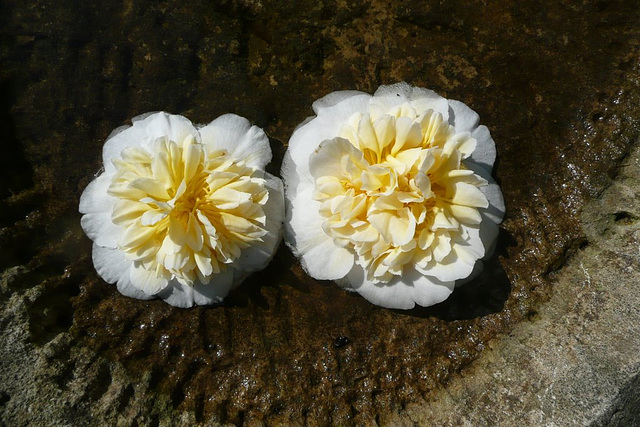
(557,85)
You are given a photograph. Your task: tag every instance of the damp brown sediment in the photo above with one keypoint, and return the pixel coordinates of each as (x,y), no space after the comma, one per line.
(550,81)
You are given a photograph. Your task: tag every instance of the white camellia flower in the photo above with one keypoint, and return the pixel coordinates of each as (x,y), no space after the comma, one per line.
(181,212)
(391,195)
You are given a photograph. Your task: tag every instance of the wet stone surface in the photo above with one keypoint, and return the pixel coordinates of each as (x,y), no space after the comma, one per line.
(550,81)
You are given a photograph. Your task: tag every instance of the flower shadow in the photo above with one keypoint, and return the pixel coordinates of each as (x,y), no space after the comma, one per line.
(257,289)
(486,294)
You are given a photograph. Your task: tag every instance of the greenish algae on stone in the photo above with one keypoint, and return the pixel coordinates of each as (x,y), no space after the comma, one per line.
(551,81)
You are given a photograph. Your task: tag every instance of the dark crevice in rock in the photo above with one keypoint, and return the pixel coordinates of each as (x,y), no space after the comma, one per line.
(4,398)
(125,398)
(52,313)
(577,244)
(624,218)
(64,373)
(98,385)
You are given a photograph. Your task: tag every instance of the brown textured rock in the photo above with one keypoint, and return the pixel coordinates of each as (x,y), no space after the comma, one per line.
(551,81)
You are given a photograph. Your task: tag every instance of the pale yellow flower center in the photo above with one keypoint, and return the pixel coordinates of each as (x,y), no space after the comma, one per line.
(186,212)
(394,190)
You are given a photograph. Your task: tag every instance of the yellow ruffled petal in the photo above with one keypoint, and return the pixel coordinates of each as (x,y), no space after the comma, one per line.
(184,211)
(402,194)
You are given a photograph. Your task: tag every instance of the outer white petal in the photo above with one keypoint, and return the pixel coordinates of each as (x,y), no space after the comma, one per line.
(489,234)
(463,118)
(399,93)
(113,267)
(125,127)
(214,291)
(291,180)
(451,268)
(496,209)
(258,255)
(146,280)
(485,152)
(474,243)
(110,264)
(99,228)
(306,138)
(144,131)
(126,288)
(319,256)
(177,295)
(239,138)
(477,269)
(426,291)
(388,295)
(334,98)
(94,198)
(402,292)
(97,205)
(492,192)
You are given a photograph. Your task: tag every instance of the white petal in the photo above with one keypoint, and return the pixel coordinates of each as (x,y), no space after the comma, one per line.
(474,243)
(322,259)
(126,288)
(463,118)
(258,255)
(496,209)
(477,269)
(143,116)
(177,295)
(110,264)
(236,136)
(420,98)
(402,292)
(94,198)
(492,192)
(319,256)
(172,126)
(306,138)
(123,127)
(426,291)
(113,267)
(214,291)
(382,294)
(291,178)
(485,152)
(489,235)
(334,98)
(99,228)
(175,128)
(146,280)
(274,208)
(452,267)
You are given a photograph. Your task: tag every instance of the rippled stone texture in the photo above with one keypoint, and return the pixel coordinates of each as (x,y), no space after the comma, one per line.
(550,81)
